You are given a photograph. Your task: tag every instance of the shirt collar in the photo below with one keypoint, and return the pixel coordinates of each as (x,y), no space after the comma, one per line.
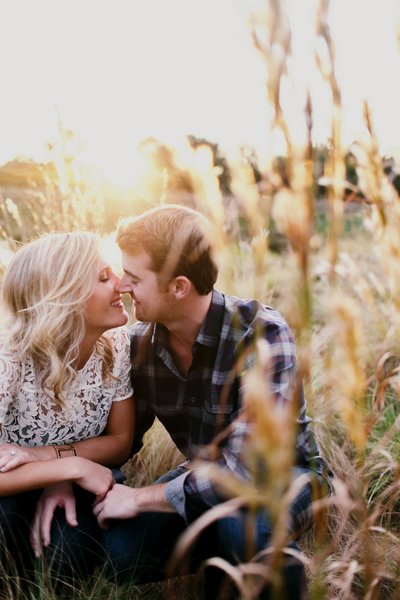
(209,334)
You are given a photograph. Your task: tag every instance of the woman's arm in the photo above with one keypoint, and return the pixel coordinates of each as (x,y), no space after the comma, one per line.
(114,446)
(91,476)
(111,448)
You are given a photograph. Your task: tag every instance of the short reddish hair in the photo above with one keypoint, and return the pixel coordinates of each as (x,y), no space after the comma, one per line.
(179,241)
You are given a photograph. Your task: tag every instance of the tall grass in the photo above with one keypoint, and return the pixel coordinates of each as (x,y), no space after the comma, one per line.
(341,296)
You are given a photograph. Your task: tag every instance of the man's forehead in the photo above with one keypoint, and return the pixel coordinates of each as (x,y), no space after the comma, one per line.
(139,260)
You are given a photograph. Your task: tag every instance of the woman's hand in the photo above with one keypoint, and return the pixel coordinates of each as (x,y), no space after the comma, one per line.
(55,496)
(91,476)
(12,455)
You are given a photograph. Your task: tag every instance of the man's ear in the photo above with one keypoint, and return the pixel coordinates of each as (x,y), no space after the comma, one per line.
(180,286)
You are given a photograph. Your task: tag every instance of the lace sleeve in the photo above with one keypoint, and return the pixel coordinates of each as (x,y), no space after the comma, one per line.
(122,363)
(10,380)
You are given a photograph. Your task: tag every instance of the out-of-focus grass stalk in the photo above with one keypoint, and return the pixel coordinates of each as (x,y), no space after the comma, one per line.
(269,456)
(334,169)
(68,199)
(272,37)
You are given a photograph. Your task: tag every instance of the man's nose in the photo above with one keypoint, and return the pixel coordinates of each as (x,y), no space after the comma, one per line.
(122,285)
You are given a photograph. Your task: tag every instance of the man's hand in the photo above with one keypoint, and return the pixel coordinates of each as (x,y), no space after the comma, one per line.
(119,503)
(124,502)
(60,495)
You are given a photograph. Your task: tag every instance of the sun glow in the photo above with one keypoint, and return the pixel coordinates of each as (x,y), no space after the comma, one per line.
(118,72)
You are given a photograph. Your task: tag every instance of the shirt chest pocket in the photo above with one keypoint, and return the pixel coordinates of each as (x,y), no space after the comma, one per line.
(222,399)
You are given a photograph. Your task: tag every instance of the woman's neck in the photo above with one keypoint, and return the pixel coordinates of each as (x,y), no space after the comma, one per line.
(85,351)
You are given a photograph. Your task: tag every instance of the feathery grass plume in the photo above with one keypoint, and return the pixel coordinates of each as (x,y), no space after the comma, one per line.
(293,205)
(206,184)
(11,222)
(75,201)
(269,455)
(66,198)
(254,204)
(348,338)
(372,180)
(272,37)
(334,168)
(294,216)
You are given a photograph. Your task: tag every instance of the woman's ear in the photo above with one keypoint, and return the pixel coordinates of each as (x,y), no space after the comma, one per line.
(180,286)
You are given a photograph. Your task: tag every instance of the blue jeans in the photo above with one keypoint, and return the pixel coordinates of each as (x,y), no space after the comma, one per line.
(73,551)
(138,550)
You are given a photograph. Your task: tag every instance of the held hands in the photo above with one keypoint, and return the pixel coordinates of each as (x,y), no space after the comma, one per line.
(119,503)
(124,502)
(12,455)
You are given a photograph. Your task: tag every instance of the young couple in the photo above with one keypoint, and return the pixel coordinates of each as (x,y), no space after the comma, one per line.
(66,406)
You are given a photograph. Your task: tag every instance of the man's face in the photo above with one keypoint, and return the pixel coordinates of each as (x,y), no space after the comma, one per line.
(150,303)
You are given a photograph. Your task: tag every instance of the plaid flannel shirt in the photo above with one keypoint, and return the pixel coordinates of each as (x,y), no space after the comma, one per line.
(208,400)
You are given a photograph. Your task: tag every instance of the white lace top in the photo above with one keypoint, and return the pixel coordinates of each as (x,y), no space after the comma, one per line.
(30,418)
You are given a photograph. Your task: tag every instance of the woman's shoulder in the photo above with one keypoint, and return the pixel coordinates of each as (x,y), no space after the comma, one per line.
(7,353)
(11,367)
(119,339)
(120,343)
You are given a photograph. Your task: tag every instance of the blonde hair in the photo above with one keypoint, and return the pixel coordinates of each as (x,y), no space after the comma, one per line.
(179,241)
(44,291)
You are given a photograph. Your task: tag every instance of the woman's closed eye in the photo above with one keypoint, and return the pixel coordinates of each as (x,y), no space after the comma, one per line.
(104,275)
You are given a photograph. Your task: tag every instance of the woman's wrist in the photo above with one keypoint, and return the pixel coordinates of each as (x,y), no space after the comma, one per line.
(64,451)
(43,453)
(73,468)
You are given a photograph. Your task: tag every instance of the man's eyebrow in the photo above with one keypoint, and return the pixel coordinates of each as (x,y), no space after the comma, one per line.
(130,274)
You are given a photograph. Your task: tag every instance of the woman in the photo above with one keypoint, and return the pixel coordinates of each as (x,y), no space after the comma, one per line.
(65,392)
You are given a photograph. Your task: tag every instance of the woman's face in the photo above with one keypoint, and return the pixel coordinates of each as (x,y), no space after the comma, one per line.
(105,309)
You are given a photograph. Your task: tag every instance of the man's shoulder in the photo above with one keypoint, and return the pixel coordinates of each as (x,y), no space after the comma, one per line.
(249,320)
(253,313)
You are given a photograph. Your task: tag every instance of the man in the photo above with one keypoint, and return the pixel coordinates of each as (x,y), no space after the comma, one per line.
(191,349)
